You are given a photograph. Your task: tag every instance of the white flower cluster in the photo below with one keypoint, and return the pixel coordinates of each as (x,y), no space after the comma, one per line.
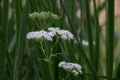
(64,34)
(39,35)
(74,68)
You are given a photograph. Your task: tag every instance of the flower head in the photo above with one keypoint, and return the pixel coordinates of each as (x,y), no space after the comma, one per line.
(64,34)
(44,15)
(37,35)
(72,67)
(34,15)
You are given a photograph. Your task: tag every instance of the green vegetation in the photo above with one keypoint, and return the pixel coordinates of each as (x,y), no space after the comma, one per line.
(58,40)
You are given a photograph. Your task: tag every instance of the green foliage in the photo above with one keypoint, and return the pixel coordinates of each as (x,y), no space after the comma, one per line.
(23,59)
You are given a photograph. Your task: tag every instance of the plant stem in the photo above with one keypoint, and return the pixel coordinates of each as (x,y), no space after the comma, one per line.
(54,45)
(67,75)
(41,46)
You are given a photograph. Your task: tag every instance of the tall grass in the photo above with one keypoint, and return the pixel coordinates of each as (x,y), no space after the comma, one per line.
(110,38)
(23,59)
(4,37)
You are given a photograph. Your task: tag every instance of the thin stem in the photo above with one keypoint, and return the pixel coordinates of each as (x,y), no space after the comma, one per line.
(41,46)
(53,47)
(67,75)
(36,24)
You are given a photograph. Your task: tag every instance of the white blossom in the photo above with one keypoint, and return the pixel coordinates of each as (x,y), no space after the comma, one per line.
(39,35)
(64,34)
(52,29)
(72,67)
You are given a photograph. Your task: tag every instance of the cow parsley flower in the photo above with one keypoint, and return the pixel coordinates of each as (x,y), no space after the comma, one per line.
(44,15)
(74,68)
(37,35)
(54,29)
(64,34)
(34,15)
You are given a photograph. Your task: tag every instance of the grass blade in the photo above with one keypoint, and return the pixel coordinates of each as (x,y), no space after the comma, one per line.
(89,29)
(110,38)
(97,41)
(4,38)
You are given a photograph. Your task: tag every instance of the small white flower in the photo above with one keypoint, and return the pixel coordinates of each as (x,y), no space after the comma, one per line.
(39,35)
(64,34)
(32,35)
(72,67)
(61,64)
(52,29)
(75,73)
(52,34)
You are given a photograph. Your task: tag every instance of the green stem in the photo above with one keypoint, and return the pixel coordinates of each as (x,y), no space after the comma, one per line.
(36,24)
(50,71)
(55,44)
(67,75)
(49,68)
(41,46)
(53,47)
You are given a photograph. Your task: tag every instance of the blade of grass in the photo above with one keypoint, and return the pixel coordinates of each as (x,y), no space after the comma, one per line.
(110,37)
(97,41)
(21,35)
(4,38)
(17,14)
(89,29)
(18,10)
(33,5)
(23,26)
